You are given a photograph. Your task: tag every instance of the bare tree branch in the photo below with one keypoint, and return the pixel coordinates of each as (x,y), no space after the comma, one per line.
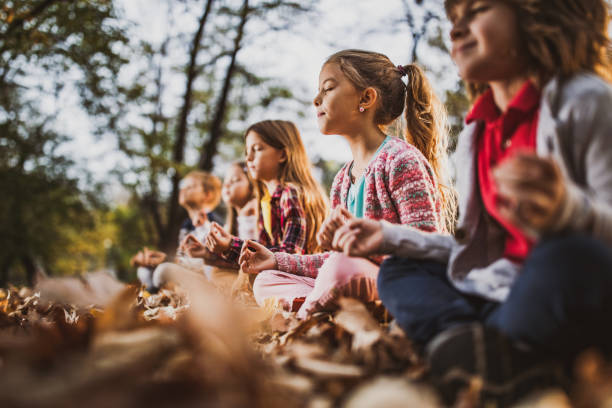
(167,239)
(210,147)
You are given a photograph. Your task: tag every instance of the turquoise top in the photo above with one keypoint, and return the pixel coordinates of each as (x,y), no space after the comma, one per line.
(355,200)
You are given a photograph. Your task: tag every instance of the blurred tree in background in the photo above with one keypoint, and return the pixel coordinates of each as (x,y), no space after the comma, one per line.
(44,212)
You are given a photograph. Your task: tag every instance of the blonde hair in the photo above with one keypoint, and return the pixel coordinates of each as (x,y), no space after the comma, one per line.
(231,218)
(295,171)
(426,124)
(210,184)
(561,37)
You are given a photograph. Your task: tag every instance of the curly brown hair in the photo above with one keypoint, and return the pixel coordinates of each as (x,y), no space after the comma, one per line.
(561,37)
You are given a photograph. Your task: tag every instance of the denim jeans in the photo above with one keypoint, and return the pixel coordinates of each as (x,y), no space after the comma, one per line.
(561,302)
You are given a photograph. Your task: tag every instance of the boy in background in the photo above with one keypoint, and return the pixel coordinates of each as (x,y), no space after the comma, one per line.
(199,195)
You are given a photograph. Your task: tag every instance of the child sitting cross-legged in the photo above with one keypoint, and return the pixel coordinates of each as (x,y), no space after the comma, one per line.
(527,278)
(398,180)
(199,195)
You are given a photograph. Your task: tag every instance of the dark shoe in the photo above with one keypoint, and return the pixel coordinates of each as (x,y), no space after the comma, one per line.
(473,354)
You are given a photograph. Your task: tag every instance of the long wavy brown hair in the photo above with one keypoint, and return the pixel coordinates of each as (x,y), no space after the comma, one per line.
(426,120)
(561,37)
(296,172)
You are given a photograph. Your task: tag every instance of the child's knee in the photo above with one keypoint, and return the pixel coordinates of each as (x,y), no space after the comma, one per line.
(339,268)
(572,259)
(144,275)
(160,275)
(260,285)
(388,273)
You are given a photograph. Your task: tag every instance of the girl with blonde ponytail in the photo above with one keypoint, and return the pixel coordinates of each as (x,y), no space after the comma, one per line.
(390,179)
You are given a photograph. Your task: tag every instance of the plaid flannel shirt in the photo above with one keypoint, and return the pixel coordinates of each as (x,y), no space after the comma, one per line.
(288,225)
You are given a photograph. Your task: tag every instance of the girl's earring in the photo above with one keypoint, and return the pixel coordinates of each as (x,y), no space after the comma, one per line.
(361,109)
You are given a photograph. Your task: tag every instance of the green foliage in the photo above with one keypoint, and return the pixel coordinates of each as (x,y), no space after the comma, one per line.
(59,36)
(42,206)
(329,169)
(457,104)
(130,233)
(48,219)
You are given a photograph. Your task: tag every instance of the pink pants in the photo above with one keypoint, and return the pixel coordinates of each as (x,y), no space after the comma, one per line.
(340,275)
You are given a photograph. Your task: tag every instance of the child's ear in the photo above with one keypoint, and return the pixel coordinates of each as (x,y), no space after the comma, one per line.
(369,96)
(283,157)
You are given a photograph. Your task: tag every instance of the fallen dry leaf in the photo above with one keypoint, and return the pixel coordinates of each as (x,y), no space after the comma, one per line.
(392,392)
(94,289)
(355,318)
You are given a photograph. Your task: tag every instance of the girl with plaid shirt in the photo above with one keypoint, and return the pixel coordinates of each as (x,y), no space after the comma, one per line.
(292,205)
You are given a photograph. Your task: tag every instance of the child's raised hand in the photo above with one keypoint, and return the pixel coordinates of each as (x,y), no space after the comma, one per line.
(188,241)
(218,240)
(138,259)
(148,257)
(531,192)
(193,247)
(153,258)
(359,237)
(255,258)
(336,219)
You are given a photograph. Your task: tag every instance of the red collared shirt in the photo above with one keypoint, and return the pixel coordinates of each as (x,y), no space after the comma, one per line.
(504,135)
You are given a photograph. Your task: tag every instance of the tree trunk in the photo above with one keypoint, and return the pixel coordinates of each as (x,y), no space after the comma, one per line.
(417,32)
(150,202)
(211,146)
(151,205)
(4,271)
(168,237)
(30,269)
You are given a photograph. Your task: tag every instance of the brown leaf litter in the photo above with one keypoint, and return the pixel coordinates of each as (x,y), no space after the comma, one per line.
(96,342)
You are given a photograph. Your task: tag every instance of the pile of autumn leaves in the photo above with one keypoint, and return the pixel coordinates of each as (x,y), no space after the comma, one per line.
(96,342)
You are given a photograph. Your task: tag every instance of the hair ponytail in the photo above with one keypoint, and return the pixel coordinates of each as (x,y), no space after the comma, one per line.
(427,130)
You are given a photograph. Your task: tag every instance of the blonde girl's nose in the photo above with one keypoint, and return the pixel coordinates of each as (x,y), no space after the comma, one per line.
(317,99)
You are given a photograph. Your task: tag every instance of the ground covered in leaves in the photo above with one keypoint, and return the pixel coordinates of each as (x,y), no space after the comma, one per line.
(96,342)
